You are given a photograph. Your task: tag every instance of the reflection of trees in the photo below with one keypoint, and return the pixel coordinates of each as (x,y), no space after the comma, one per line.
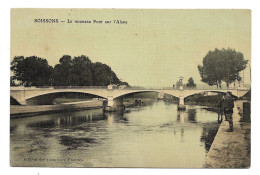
(67,119)
(73,143)
(192,115)
(208,134)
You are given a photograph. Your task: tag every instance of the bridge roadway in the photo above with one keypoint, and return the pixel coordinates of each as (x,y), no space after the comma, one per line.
(113,96)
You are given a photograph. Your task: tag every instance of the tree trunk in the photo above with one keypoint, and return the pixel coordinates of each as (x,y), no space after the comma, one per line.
(228,85)
(220,84)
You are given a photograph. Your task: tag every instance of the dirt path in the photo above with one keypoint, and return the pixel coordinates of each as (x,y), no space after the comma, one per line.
(230,149)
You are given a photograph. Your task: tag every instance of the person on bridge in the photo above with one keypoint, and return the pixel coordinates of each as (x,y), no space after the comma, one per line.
(228,104)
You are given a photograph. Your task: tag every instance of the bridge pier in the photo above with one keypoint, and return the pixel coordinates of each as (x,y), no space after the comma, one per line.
(181,105)
(114,104)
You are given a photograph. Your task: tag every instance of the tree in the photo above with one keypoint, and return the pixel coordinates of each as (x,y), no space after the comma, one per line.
(222,65)
(79,71)
(81,74)
(103,75)
(191,83)
(234,63)
(124,83)
(62,72)
(12,81)
(31,71)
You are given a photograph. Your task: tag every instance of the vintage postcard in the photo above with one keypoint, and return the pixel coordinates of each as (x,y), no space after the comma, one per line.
(157,88)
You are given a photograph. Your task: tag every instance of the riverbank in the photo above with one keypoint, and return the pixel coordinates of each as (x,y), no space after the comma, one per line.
(231,149)
(22,111)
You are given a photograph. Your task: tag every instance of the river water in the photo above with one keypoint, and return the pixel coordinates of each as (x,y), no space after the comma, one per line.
(149,136)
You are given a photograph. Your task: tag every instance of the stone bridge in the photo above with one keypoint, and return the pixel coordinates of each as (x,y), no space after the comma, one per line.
(113,96)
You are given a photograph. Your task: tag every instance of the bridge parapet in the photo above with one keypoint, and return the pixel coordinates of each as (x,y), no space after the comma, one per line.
(126,88)
(21,94)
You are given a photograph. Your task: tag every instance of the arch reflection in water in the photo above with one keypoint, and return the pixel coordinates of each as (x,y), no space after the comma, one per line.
(66,119)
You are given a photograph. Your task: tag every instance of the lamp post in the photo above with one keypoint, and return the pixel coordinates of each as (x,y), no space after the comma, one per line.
(181,105)
(181,84)
(51,80)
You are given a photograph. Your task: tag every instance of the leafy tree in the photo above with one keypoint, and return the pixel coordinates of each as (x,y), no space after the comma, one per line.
(234,63)
(124,83)
(31,71)
(62,72)
(191,83)
(103,75)
(81,74)
(222,65)
(79,71)
(12,81)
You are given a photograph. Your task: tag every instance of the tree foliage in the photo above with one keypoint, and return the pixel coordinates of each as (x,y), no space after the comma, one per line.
(81,71)
(12,81)
(61,75)
(222,65)
(103,75)
(31,71)
(191,83)
(77,71)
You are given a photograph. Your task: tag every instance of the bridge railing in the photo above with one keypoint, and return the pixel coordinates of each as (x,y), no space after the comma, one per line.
(118,88)
(73,87)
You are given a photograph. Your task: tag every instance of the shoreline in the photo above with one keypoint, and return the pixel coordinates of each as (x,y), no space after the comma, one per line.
(17,111)
(230,149)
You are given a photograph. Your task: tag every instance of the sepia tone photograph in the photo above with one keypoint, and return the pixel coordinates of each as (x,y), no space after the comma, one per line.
(136,88)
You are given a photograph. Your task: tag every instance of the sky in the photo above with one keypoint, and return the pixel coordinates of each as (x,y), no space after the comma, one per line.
(153,49)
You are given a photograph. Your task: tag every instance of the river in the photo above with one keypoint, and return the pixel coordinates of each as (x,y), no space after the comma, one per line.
(149,136)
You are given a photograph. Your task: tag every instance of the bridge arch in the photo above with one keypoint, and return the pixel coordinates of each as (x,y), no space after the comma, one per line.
(191,93)
(141,91)
(218,92)
(13,101)
(47,98)
(32,94)
(22,96)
